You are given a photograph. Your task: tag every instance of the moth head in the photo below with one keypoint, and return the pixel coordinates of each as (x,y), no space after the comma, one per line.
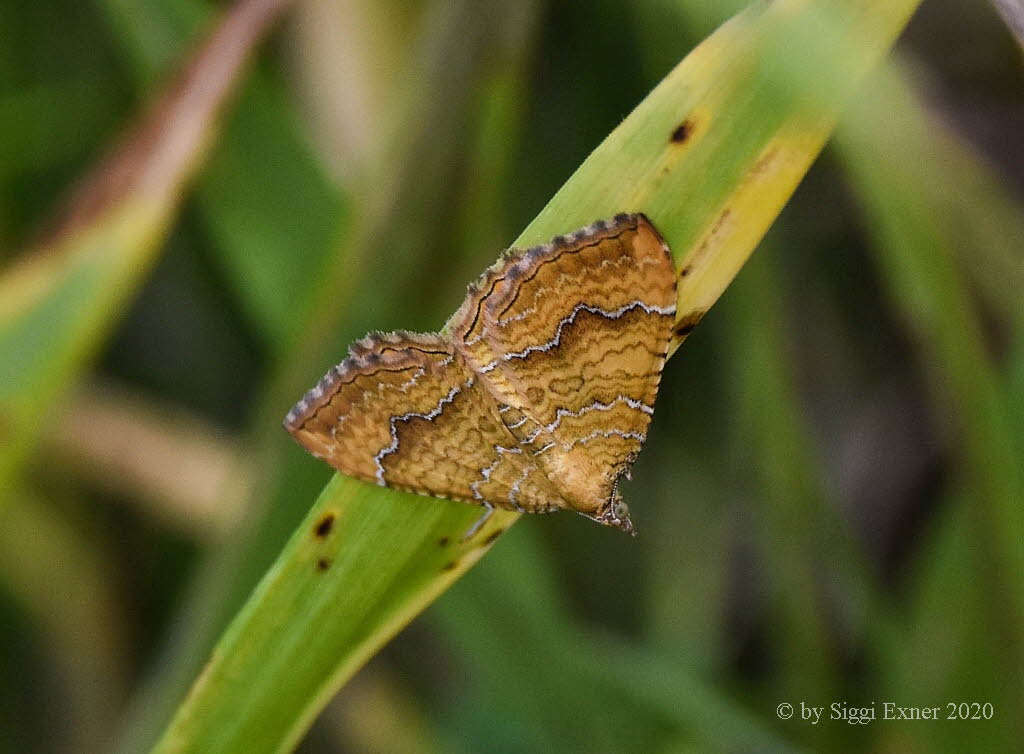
(616,513)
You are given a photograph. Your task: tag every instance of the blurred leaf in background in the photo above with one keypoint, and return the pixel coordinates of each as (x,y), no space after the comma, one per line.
(831,490)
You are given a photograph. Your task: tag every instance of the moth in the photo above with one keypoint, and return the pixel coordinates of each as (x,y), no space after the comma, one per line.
(537,394)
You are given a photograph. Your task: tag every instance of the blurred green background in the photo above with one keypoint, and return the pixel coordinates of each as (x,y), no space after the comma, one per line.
(828,503)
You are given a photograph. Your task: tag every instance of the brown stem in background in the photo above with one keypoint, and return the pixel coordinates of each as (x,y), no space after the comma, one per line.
(153,156)
(122,444)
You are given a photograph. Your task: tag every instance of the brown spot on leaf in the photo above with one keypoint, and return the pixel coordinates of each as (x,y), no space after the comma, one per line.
(682,131)
(685,271)
(492,536)
(443,541)
(324,525)
(450,566)
(764,162)
(713,238)
(685,326)
(323,564)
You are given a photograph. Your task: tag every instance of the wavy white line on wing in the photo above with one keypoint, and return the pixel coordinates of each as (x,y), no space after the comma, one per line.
(555,341)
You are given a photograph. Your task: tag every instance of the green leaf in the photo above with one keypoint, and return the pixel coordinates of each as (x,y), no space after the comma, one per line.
(274,219)
(629,691)
(909,185)
(57,302)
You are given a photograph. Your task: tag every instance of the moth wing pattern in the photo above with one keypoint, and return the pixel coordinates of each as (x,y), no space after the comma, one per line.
(573,336)
(405,411)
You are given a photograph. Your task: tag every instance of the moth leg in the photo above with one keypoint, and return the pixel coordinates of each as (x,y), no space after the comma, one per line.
(488,510)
